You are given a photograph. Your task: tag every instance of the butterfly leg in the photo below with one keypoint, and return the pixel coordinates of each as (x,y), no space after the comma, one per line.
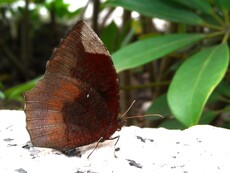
(100,140)
(116,137)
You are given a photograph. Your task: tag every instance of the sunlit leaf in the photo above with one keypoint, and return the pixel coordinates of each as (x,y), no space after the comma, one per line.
(194,82)
(18,90)
(161,9)
(202,5)
(144,51)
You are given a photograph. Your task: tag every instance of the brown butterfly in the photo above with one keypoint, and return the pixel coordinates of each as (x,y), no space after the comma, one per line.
(76,102)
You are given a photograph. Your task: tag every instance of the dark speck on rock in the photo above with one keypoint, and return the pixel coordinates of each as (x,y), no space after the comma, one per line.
(73,152)
(198,140)
(134,163)
(144,139)
(12,145)
(85,171)
(140,138)
(117,149)
(8,139)
(27,146)
(79,172)
(20,170)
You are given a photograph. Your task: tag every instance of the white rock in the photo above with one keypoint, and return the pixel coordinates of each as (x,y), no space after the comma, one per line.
(198,149)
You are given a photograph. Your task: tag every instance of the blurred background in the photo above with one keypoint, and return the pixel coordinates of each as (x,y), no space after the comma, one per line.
(31,29)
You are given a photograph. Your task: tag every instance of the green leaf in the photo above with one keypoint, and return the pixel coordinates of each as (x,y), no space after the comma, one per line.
(2,95)
(194,81)
(221,93)
(16,92)
(109,36)
(159,106)
(172,124)
(209,19)
(4,2)
(223,4)
(223,89)
(144,51)
(207,117)
(202,5)
(60,8)
(124,37)
(214,97)
(161,9)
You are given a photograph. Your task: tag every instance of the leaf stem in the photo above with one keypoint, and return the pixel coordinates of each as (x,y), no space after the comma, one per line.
(225,99)
(226,35)
(214,34)
(218,18)
(205,24)
(224,110)
(226,17)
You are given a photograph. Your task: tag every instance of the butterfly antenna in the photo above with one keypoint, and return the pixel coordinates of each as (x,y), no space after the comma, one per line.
(124,120)
(128,109)
(148,115)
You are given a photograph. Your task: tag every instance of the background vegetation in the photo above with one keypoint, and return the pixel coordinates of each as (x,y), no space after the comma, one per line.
(181,70)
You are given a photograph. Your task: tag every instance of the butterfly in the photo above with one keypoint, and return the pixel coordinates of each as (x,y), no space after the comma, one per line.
(76,102)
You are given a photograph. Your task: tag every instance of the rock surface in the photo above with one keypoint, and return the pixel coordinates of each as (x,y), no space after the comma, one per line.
(198,149)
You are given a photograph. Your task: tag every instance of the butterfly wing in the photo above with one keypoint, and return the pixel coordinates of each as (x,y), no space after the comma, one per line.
(76,102)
